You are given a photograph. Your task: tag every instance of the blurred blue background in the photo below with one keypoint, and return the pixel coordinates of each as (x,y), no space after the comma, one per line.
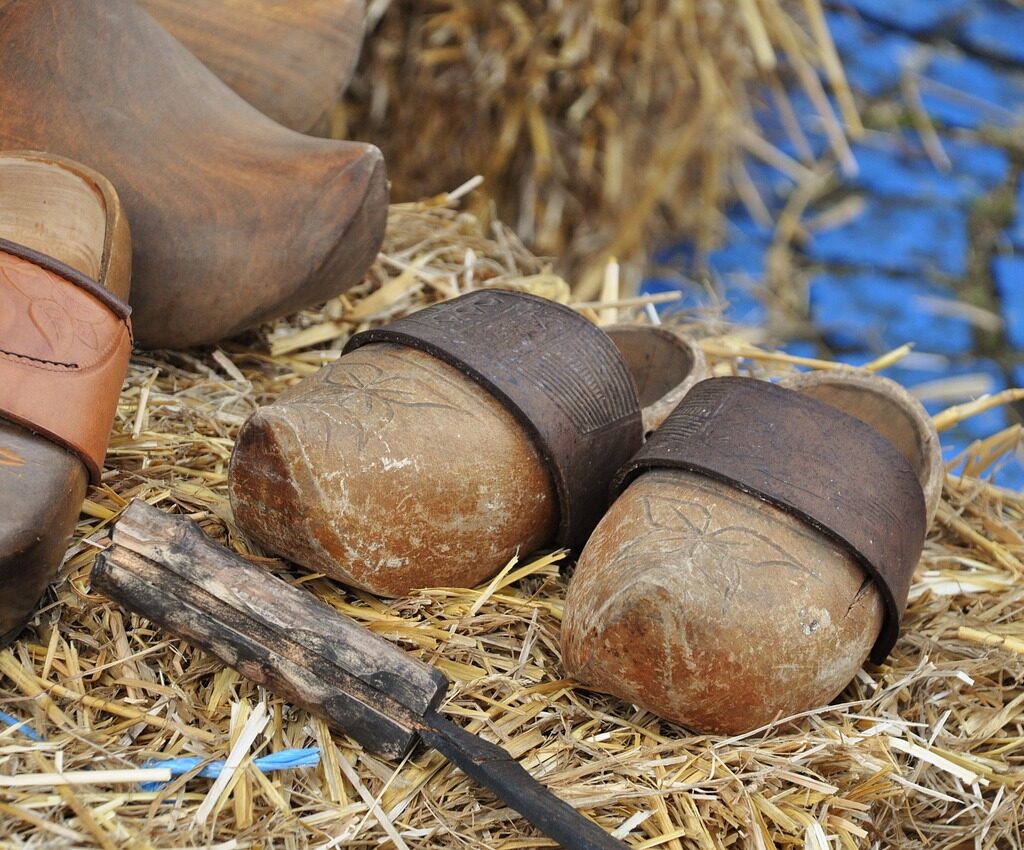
(923,241)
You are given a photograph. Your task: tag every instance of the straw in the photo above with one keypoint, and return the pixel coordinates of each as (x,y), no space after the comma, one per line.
(86,777)
(888,764)
(598,128)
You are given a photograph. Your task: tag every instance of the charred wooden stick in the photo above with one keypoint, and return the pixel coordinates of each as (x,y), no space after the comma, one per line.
(164,568)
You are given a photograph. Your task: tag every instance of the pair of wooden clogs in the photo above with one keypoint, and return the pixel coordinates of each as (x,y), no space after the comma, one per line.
(234,218)
(760,546)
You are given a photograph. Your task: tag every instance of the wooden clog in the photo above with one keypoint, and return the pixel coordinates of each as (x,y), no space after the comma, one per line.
(290,60)
(235,219)
(65,259)
(760,549)
(440,446)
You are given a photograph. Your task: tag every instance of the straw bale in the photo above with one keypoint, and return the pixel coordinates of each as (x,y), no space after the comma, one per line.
(598,125)
(924,751)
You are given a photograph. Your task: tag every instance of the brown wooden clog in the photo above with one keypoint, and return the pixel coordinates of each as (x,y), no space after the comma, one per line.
(235,219)
(760,549)
(65,260)
(290,60)
(442,445)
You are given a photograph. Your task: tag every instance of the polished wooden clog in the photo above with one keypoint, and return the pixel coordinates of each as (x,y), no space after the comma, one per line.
(290,60)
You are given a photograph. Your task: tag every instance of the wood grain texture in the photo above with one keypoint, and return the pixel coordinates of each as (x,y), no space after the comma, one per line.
(51,210)
(68,212)
(166,569)
(235,219)
(391,470)
(291,60)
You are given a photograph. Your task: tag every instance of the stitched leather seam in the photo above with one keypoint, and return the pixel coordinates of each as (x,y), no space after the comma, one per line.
(68,367)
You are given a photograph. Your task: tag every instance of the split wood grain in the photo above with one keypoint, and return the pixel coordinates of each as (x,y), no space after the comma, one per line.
(164,568)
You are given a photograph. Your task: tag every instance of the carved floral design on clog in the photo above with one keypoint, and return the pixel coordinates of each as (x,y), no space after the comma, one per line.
(364,393)
(698,542)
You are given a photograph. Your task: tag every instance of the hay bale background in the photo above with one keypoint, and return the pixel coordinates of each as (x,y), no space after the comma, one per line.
(926,751)
(598,125)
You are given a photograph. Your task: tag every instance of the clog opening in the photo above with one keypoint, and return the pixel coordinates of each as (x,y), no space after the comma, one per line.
(663,365)
(657,359)
(53,210)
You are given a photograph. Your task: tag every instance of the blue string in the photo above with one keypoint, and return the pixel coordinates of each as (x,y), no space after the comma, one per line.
(22,726)
(283,760)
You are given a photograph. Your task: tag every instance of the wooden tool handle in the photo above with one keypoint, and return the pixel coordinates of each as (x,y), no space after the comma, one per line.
(166,569)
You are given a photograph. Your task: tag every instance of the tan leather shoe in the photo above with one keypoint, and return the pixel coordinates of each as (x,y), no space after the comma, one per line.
(65,340)
(235,219)
(290,60)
